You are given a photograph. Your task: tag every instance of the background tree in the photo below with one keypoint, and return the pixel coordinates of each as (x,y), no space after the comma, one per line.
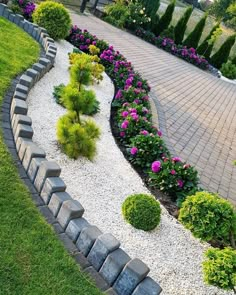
(165,20)
(206,46)
(231,13)
(222,55)
(193,38)
(219,7)
(181,25)
(151,7)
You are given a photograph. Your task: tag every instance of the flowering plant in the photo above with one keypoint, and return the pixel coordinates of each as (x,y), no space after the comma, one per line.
(145,148)
(174,177)
(133,95)
(26,8)
(137,16)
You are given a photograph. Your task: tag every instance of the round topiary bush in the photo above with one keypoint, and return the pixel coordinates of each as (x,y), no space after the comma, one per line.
(142,211)
(209,217)
(54,18)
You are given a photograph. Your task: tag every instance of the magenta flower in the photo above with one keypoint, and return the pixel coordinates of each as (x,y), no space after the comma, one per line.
(139,84)
(159,133)
(125,104)
(133,151)
(172,172)
(122,134)
(176,159)
(137,101)
(118,94)
(180,183)
(186,166)
(125,124)
(134,116)
(156,166)
(144,132)
(125,114)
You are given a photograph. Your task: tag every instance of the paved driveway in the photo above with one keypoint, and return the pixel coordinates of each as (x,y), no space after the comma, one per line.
(197,111)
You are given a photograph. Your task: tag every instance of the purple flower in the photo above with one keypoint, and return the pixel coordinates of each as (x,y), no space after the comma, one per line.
(122,134)
(87,41)
(125,124)
(125,114)
(133,151)
(172,172)
(180,183)
(139,84)
(134,116)
(118,94)
(125,104)
(137,101)
(156,166)
(94,42)
(159,133)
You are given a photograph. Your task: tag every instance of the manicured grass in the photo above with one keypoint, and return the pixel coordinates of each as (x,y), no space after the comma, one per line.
(32,260)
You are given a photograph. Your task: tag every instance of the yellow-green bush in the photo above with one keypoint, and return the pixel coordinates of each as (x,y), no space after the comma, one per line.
(54,17)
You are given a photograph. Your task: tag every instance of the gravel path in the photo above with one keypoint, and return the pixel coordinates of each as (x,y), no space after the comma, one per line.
(170,251)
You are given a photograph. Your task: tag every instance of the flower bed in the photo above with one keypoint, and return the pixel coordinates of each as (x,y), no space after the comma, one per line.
(188,54)
(133,118)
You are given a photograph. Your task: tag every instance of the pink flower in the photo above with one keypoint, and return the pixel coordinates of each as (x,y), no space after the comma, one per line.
(159,133)
(176,159)
(134,116)
(144,132)
(180,183)
(137,101)
(186,166)
(125,104)
(118,94)
(125,124)
(122,134)
(172,172)
(133,110)
(156,166)
(139,84)
(133,150)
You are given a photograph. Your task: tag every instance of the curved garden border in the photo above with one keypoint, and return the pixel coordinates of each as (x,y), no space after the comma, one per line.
(97,253)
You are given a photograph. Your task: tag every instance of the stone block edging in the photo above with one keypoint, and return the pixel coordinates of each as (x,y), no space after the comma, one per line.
(98,254)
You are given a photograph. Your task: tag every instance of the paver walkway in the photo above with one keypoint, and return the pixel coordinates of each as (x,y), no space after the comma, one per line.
(199,109)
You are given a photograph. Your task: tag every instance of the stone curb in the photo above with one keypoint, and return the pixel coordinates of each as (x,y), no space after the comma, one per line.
(98,254)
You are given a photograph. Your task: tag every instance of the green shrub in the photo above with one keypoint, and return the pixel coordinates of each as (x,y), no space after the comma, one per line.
(117,14)
(181,25)
(144,149)
(165,20)
(234,60)
(137,16)
(77,139)
(220,268)
(209,217)
(142,211)
(54,17)
(151,7)
(222,55)
(168,33)
(228,70)
(58,93)
(205,48)
(193,38)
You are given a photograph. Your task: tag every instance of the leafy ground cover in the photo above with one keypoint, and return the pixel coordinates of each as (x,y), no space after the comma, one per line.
(32,260)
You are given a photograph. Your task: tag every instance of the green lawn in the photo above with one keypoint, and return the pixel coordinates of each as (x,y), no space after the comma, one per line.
(32,260)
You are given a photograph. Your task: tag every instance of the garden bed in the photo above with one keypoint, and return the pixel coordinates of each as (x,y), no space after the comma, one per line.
(173,255)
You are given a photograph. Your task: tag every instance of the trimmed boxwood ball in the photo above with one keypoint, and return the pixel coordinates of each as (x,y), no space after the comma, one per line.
(142,211)
(54,17)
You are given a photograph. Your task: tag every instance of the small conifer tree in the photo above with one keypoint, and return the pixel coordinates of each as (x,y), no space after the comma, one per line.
(181,25)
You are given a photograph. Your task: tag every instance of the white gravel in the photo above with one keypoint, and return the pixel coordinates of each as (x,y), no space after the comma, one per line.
(170,251)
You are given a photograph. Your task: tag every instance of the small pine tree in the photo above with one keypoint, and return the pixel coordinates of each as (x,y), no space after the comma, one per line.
(194,37)
(151,7)
(165,20)
(180,27)
(222,55)
(234,60)
(205,48)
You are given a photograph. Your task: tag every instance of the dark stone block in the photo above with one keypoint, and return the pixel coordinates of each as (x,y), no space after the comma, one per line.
(47,214)
(97,278)
(37,200)
(68,244)
(30,186)
(81,260)
(58,229)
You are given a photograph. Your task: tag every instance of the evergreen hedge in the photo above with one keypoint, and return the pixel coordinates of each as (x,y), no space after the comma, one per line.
(181,26)
(193,38)
(222,55)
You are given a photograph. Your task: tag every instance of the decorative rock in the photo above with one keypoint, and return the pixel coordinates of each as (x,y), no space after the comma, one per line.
(45,62)
(39,68)
(51,56)
(32,151)
(110,292)
(87,238)
(46,169)
(20,95)
(148,287)
(52,185)
(20,119)
(104,245)
(26,25)
(132,274)
(33,74)
(6,13)
(19,142)
(18,106)
(56,201)
(11,17)
(75,227)
(21,88)
(113,265)
(23,147)
(98,280)
(23,131)
(26,80)
(70,209)
(33,167)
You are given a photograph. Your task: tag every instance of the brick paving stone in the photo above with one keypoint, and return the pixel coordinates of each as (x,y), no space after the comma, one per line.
(199,109)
